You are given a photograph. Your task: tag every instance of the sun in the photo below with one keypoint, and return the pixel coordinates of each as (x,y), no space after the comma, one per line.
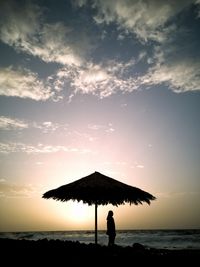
(78,213)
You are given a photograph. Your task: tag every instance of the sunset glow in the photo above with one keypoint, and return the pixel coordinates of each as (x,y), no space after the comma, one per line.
(107,86)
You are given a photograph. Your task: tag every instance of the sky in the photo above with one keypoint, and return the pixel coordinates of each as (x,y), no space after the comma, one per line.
(96,85)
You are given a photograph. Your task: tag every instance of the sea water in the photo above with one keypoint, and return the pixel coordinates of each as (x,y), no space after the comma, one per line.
(170,239)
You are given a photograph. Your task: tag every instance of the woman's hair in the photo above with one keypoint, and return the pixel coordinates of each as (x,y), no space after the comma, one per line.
(110,214)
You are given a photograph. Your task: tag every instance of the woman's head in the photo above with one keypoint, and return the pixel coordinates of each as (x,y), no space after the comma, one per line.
(110,213)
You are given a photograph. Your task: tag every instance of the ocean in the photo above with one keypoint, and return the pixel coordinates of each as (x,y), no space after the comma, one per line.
(168,239)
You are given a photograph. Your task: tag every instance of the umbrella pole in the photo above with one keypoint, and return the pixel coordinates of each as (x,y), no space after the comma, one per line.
(95,223)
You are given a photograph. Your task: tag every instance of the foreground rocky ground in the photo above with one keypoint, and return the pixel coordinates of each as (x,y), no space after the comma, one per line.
(67,253)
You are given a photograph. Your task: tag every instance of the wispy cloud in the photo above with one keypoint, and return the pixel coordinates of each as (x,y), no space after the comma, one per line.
(53,45)
(180,76)
(147,20)
(12,147)
(101,80)
(110,77)
(13,124)
(23,84)
(97,127)
(11,190)
(23,28)
(48,126)
(198,4)
(7,123)
(104,79)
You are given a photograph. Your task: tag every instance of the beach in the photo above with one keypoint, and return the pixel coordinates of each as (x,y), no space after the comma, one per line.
(74,253)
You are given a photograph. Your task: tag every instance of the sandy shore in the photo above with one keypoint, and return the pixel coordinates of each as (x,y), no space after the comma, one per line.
(54,252)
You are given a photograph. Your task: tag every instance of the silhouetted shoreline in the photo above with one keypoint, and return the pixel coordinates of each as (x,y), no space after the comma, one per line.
(76,254)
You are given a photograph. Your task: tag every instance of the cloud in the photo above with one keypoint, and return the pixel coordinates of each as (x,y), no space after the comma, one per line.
(11,147)
(11,190)
(96,127)
(137,165)
(18,23)
(180,76)
(23,27)
(48,126)
(101,80)
(140,166)
(52,45)
(23,84)
(7,123)
(147,20)
(198,5)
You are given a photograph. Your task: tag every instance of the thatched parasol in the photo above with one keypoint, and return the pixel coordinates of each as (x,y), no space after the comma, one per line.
(99,189)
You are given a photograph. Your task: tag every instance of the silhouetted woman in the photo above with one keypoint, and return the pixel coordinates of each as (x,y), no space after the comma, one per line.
(111,228)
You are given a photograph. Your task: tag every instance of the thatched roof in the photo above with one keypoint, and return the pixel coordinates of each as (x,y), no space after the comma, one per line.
(99,189)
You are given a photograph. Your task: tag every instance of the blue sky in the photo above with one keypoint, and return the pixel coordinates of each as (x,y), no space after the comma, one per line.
(108,86)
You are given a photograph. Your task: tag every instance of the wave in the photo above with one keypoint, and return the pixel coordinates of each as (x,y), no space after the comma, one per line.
(170,239)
